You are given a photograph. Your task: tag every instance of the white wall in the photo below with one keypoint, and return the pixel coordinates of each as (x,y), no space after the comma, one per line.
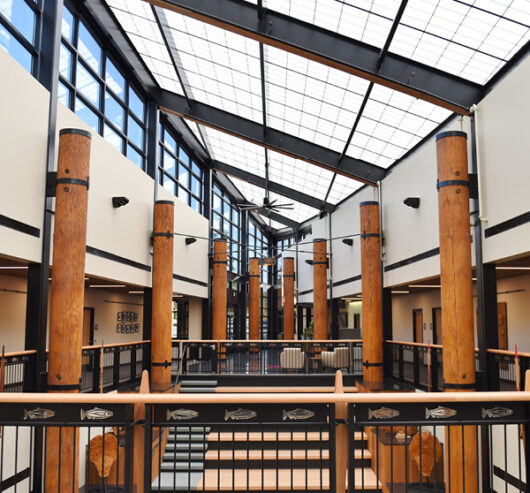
(12,313)
(195,318)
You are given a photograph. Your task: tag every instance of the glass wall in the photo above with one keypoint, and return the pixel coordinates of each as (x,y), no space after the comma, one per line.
(178,172)
(19,21)
(92,85)
(281,246)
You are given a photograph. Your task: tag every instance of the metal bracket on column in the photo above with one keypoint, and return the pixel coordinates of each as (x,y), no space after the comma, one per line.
(51,183)
(473,185)
(165,364)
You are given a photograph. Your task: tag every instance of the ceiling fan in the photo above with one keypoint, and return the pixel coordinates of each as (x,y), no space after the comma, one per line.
(268,205)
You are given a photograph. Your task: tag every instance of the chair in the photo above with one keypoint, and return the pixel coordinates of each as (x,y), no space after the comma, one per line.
(292,359)
(338,358)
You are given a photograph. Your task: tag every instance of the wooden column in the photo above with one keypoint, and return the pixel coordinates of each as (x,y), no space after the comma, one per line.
(288,298)
(162,306)
(67,300)
(254,296)
(457,298)
(219,290)
(320,289)
(371,294)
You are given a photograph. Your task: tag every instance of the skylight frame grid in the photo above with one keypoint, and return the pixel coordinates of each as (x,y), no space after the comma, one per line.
(310,100)
(137,20)
(462,37)
(219,68)
(342,187)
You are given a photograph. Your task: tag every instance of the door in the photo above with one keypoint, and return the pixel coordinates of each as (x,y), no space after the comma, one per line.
(417,316)
(88,326)
(502,323)
(437,325)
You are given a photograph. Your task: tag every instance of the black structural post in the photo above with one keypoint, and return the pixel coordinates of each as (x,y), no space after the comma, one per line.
(334,318)
(387,331)
(153,120)
(147,327)
(243,268)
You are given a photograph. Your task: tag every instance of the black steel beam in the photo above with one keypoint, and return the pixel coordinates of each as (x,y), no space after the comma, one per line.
(272,139)
(332,49)
(280,219)
(273,186)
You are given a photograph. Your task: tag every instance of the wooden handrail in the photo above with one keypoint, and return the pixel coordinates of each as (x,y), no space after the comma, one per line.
(303,398)
(267,341)
(505,352)
(20,353)
(417,344)
(118,344)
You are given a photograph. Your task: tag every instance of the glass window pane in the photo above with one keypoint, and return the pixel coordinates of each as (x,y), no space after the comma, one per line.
(196,205)
(15,49)
(114,79)
(114,111)
(65,63)
(195,186)
(170,164)
(135,133)
(184,195)
(136,104)
(87,84)
(217,203)
(184,176)
(67,26)
(195,168)
(135,157)
(86,114)
(184,157)
(169,184)
(20,15)
(63,94)
(113,138)
(216,224)
(170,141)
(88,48)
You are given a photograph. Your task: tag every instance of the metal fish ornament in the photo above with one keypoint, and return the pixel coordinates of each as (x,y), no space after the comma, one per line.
(181,414)
(297,414)
(496,412)
(239,414)
(96,413)
(382,413)
(439,412)
(38,413)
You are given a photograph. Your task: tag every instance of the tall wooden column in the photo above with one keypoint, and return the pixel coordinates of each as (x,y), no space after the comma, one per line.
(253,299)
(162,305)
(320,289)
(288,298)
(67,300)
(457,298)
(371,293)
(219,290)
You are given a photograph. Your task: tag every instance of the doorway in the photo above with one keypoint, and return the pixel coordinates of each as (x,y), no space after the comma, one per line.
(437,325)
(417,323)
(88,327)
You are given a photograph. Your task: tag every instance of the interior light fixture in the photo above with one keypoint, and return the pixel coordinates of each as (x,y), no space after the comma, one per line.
(177,295)
(106,285)
(309,261)
(190,240)
(14,267)
(267,261)
(424,286)
(513,268)
(136,292)
(400,292)
(119,201)
(348,241)
(413,202)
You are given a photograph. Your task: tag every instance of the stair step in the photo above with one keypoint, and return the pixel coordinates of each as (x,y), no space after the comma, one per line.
(177,481)
(268,436)
(188,429)
(182,447)
(286,454)
(198,383)
(183,456)
(197,390)
(181,466)
(188,437)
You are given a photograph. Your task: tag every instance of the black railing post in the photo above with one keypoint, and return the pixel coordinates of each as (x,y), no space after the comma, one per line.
(148,448)
(434,369)
(400,360)
(116,368)
(332,449)
(128,466)
(416,362)
(96,370)
(133,364)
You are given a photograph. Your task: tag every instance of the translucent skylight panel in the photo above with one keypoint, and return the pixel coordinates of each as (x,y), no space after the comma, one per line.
(342,188)
(310,100)
(234,151)
(469,38)
(218,67)
(391,124)
(299,212)
(299,175)
(365,20)
(138,21)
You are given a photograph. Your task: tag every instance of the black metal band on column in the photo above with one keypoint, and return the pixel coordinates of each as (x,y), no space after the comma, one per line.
(368,365)
(452,183)
(460,386)
(165,364)
(369,235)
(69,387)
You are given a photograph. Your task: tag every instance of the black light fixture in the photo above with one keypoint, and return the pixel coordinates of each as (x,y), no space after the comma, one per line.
(190,240)
(119,201)
(348,241)
(413,202)
(267,261)
(309,261)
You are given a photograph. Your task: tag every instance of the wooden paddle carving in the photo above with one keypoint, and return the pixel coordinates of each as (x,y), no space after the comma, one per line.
(423,448)
(96,453)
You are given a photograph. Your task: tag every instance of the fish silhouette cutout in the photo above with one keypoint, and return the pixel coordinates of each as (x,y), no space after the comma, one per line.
(297,414)
(439,412)
(38,413)
(239,414)
(496,412)
(181,414)
(96,413)
(382,413)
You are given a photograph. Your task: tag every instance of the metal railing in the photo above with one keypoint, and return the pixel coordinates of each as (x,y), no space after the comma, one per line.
(16,370)
(509,367)
(326,442)
(270,357)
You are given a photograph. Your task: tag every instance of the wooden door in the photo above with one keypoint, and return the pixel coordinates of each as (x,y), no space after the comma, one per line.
(437,325)
(88,329)
(418,325)
(502,323)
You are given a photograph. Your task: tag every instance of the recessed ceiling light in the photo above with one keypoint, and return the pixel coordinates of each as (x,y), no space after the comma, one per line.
(400,292)
(513,268)
(136,292)
(106,285)
(424,286)
(13,267)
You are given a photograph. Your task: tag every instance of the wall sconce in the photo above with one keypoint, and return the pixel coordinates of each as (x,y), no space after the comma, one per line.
(190,241)
(267,261)
(309,261)
(413,202)
(348,241)
(119,201)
